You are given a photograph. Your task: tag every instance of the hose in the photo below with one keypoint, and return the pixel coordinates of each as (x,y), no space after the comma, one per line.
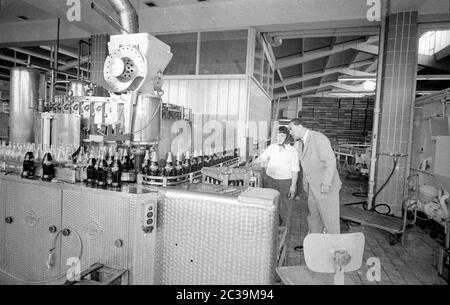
(375,206)
(50,261)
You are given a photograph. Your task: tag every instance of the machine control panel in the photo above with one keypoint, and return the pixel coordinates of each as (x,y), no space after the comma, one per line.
(149,219)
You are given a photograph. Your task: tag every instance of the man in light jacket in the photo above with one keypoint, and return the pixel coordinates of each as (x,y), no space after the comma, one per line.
(320,178)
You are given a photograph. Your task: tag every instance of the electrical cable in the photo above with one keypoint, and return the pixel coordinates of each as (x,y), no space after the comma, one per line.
(51,257)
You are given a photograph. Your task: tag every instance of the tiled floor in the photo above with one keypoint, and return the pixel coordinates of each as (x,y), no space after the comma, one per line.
(413,263)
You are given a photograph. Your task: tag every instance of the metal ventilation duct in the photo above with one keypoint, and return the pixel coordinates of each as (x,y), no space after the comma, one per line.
(128,15)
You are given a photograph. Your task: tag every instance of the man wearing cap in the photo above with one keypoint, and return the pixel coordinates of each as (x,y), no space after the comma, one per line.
(320,178)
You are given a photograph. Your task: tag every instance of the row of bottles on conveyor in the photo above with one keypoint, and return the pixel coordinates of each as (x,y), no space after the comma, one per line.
(181,165)
(110,170)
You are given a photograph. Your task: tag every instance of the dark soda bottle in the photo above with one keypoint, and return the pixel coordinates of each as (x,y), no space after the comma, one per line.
(194,164)
(146,164)
(200,160)
(179,165)
(206,160)
(215,158)
(48,169)
(102,171)
(90,170)
(116,172)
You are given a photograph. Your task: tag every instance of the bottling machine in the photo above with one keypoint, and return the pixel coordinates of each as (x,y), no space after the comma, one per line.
(228,238)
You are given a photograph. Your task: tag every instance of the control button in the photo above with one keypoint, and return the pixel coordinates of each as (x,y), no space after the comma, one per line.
(118,243)
(150,214)
(150,208)
(150,221)
(148,229)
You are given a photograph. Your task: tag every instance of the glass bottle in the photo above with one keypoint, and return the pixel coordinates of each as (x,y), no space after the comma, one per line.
(215,157)
(224,154)
(169,170)
(90,170)
(146,164)
(116,172)
(206,160)
(48,170)
(154,166)
(28,166)
(179,165)
(200,160)
(102,170)
(194,164)
(187,162)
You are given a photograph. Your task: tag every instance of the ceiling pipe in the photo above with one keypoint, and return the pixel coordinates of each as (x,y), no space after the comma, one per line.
(127,14)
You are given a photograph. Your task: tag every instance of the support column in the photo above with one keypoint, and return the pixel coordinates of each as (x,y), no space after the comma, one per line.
(398,94)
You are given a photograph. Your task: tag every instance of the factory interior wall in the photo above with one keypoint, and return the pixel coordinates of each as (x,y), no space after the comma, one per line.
(259,115)
(212,99)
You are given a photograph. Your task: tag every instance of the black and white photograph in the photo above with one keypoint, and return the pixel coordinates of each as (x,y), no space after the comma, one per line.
(224,150)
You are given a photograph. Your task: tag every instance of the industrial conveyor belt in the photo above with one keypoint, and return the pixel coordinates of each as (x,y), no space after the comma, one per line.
(392,225)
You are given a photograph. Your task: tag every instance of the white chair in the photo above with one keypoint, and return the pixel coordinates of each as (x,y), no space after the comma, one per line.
(326,254)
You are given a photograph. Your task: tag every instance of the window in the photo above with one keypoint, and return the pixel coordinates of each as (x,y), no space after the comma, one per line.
(223,52)
(259,60)
(433,41)
(184,49)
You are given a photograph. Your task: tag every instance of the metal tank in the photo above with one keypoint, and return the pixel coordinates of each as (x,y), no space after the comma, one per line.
(147,119)
(78,88)
(27,86)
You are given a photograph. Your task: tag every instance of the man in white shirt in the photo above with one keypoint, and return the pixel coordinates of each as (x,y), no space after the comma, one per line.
(320,178)
(282,171)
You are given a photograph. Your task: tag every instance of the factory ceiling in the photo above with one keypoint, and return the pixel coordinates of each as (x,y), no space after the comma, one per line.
(311,55)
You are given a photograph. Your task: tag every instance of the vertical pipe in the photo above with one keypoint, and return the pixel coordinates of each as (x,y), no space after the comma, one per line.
(79,60)
(89,58)
(377,106)
(55,63)
(52,79)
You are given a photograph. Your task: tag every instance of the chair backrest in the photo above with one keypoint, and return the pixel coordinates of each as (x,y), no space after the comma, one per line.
(320,249)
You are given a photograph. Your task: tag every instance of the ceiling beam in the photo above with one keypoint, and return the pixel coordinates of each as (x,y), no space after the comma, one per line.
(66,65)
(305,89)
(367,48)
(74,63)
(37,32)
(442,53)
(430,61)
(345,70)
(25,63)
(264,15)
(89,23)
(338,95)
(315,33)
(36,54)
(351,88)
(311,55)
(327,60)
(62,51)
